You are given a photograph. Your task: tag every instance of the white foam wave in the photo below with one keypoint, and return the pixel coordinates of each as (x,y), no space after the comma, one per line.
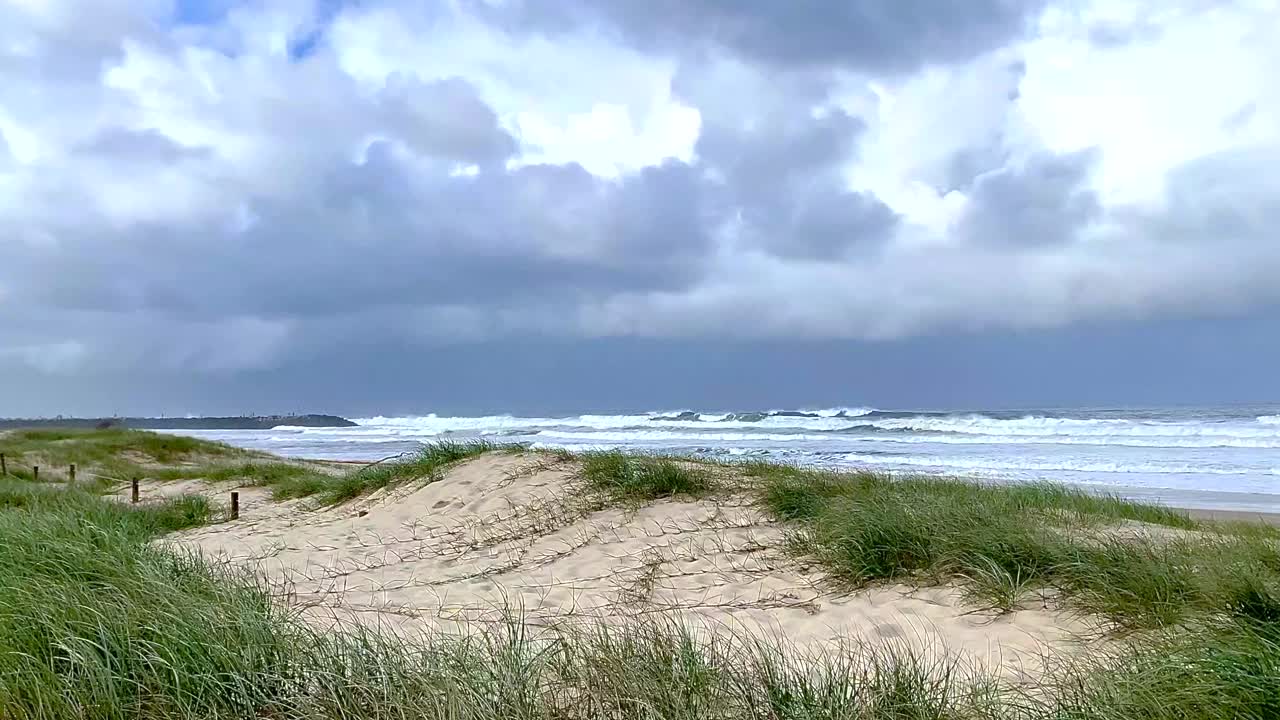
(1079,427)
(1215,450)
(1203,441)
(1109,430)
(429,425)
(843,411)
(681,435)
(1040,466)
(638,436)
(712,427)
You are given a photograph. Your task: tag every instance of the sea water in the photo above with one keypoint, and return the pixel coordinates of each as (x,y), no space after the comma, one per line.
(1220,457)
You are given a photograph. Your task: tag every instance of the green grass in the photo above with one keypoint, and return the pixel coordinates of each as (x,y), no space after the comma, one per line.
(797,493)
(101,619)
(426,465)
(63,447)
(104,457)
(97,623)
(142,520)
(1226,668)
(109,457)
(290,480)
(1004,541)
(636,478)
(100,622)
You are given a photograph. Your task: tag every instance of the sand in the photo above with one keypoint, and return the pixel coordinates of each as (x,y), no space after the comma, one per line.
(509,534)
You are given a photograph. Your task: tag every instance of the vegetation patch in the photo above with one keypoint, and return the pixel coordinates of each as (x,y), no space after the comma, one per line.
(100,623)
(636,478)
(106,458)
(1003,541)
(63,447)
(425,465)
(100,618)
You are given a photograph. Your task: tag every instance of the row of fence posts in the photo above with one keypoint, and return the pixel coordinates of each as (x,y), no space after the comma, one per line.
(134,492)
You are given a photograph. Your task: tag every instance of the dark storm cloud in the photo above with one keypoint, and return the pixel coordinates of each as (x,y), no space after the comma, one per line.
(784,174)
(882,35)
(1147,363)
(1225,202)
(823,224)
(446,119)
(405,223)
(1043,202)
(376,233)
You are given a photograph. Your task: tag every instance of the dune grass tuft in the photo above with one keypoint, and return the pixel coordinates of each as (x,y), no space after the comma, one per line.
(145,519)
(1224,668)
(97,623)
(426,465)
(108,448)
(1004,541)
(115,455)
(636,478)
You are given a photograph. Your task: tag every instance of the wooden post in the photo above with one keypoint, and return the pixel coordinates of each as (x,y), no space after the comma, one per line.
(71,472)
(235,505)
(35,473)
(4,469)
(133,485)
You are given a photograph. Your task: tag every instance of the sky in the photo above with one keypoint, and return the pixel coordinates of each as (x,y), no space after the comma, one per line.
(486,206)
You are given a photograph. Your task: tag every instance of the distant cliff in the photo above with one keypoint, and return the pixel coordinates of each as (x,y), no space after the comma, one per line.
(255,422)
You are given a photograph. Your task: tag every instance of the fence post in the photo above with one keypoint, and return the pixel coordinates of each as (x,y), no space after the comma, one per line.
(35,473)
(235,505)
(71,472)
(4,468)
(133,486)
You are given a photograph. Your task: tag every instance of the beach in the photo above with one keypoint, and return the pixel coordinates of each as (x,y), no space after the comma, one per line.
(416,580)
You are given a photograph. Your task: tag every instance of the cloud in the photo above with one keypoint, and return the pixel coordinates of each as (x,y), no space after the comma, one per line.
(1043,201)
(446,119)
(191,192)
(877,35)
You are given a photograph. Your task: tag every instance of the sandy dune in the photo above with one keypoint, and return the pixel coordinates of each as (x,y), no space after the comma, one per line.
(515,531)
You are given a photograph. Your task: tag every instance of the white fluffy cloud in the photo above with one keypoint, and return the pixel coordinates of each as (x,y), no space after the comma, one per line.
(225,190)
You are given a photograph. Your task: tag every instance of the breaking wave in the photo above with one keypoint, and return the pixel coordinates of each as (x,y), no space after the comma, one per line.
(1218,449)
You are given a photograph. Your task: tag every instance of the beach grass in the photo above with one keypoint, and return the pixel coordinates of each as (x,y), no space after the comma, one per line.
(107,458)
(426,464)
(636,478)
(326,486)
(100,622)
(118,449)
(1226,667)
(100,617)
(1002,542)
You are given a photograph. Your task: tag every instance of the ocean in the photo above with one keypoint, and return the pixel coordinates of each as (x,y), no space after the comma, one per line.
(1222,457)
